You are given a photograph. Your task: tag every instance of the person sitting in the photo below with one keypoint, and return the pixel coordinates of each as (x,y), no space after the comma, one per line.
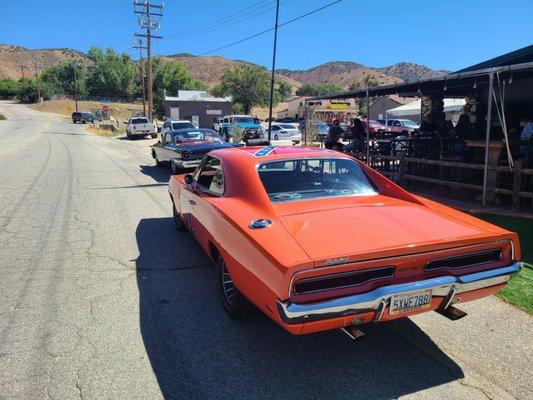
(334,134)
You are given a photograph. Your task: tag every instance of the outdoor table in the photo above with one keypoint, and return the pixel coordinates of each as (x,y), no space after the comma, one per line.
(495,149)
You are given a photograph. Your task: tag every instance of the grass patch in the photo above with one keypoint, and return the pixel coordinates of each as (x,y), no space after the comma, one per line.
(520,289)
(105,132)
(2,117)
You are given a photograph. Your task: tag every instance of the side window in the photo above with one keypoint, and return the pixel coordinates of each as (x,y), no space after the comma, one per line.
(168,138)
(389,122)
(397,123)
(211,176)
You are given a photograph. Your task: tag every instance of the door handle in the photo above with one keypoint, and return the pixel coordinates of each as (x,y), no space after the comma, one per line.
(192,202)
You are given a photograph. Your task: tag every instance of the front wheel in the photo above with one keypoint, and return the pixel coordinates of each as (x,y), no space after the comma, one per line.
(276,137)
(234,303)
(178,221)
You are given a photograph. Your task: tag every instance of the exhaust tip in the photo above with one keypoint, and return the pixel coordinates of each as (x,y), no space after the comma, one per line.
(353,332)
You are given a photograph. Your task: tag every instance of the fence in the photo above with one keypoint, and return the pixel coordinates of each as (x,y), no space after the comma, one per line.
(516,185)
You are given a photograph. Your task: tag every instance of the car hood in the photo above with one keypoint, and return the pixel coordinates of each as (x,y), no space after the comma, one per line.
(387,229)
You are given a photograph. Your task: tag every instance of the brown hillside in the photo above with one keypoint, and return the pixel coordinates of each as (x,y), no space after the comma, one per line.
(11,57)
(210,69)
(341,73)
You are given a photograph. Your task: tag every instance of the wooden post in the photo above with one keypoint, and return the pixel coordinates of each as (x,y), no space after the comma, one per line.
(401,169)
(517,184)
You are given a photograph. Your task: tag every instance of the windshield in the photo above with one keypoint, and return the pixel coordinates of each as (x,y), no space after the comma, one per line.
(292,180)
(243,120)
(408,122)
(182,125)
(198,136)
(139,121)
(375,123)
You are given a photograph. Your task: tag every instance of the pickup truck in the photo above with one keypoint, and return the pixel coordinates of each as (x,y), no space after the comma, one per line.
(247,123)
(140,126)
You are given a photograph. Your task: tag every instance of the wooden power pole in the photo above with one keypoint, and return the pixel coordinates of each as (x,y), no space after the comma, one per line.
(75,88)
(37,87)
(138,44)
(149,21)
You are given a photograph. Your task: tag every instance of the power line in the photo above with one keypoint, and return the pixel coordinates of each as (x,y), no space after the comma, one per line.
(271,29)
(236,22)
(220,20)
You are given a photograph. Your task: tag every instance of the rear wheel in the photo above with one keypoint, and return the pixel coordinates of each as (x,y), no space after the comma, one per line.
(276,137)
(157,162)
(235,304)
(154,135)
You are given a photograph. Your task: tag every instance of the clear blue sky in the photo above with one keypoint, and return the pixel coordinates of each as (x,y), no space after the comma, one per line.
(440,34)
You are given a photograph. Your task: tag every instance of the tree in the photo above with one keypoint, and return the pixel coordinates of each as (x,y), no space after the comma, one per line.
(354,87)
(170,78)
(28,91)
(248,85)
(371,81)
(61,78)
(111,74)
(316,89)
(284,89)
(9,88)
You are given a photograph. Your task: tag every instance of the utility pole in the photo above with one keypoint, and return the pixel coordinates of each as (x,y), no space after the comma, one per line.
(272,79)
(21,66)
(139,45)
(38,90)
(75,88)
(147,22)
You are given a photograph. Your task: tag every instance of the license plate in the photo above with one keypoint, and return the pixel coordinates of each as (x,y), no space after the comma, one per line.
(402,303)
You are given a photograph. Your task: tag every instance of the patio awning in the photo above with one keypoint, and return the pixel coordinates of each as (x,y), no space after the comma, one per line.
(414,107)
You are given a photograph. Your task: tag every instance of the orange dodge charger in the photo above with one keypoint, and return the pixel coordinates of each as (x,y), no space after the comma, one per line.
(317,240)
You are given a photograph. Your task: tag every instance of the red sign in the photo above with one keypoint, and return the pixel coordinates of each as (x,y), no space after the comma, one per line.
(105,108)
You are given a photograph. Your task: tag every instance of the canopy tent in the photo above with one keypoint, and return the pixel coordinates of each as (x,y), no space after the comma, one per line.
(413,107)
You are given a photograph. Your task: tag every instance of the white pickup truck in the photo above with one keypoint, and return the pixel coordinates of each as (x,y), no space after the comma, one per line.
(140,126)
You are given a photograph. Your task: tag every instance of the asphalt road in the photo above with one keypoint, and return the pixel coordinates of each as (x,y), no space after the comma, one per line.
(100,298)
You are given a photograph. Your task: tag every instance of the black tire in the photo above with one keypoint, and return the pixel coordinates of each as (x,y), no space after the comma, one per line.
(174,169)
(157,162)
(276,137)
(84,121)
(178,221)
(154,135)
(234,303)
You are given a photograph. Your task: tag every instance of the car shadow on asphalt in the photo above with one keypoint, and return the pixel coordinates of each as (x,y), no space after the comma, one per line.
(158,174)
(196,351)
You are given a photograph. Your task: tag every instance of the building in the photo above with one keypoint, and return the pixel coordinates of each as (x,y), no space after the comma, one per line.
(197,106)
(380,105)
(323,110)
(452,108)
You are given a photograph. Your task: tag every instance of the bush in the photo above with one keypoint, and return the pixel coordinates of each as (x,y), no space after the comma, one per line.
(9,88)
(28,91)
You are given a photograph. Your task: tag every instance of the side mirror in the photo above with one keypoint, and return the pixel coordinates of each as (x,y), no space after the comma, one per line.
(188,179)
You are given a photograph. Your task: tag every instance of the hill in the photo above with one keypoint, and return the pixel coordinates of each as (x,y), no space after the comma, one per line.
(342,73)
(210,69)
(12,57)
(411,72)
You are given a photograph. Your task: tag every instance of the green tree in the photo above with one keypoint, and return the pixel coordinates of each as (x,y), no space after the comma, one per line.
(9,88)
(316,89)
(371,81)
(61,78)
(284,89)
(170,78)
(111,74)
(248,85)
(28,91)
(354,86)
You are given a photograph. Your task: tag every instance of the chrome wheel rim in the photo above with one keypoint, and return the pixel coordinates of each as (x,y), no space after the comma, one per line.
(228,290)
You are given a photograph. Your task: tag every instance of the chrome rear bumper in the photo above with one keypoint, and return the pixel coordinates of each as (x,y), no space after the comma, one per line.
(378,299)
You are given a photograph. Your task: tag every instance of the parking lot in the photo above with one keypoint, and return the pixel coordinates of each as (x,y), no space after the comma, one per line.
(103,298)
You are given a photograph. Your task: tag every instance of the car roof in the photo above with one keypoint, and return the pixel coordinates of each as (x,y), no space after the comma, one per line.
(255,154)
(180,120)
(186,130)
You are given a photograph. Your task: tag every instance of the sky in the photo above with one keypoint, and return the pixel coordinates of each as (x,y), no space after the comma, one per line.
(440,34)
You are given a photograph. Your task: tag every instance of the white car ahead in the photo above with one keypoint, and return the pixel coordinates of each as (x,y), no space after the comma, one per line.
(286,131)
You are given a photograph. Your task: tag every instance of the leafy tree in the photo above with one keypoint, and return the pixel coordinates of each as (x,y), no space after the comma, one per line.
(9,88)
(28,91)
(354,86)
(61,78)
(284,89)
(371,81)
(248,85)
(316,89)
(170,78)
(111,74)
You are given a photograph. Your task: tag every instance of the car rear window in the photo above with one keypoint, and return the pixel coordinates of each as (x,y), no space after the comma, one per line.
(182,125)
(287,126)
(302,179)
(139,121)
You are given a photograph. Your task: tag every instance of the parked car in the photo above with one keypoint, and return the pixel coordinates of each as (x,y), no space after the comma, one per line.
(375,126)
(82,117)
(140,126)
(321,129)
(184,149)
(286,120)
(402,126)
(246,123)
(286,131)
(261,215)
(173,125)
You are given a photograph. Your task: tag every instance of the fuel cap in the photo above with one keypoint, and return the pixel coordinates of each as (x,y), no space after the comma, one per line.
(260,223)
